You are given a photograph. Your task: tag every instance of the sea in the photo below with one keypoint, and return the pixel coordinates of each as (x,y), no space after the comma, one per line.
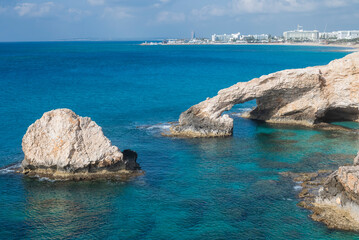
(213,188)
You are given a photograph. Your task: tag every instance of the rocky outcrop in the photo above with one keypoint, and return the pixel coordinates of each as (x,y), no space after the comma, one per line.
(307,97)
(63,145)
(333,197)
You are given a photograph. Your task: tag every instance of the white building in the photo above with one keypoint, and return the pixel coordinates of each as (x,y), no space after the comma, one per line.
(328,35)
(255,38)
(261,37)
(226,37)
(347,34)
(301,35)
(350,34)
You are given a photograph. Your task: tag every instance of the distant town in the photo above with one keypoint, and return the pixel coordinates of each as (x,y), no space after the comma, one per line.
(294,36)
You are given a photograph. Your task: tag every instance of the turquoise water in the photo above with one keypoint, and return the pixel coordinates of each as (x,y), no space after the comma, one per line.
(223,188)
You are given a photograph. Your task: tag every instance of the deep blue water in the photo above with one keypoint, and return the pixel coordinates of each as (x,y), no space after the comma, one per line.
(221,188)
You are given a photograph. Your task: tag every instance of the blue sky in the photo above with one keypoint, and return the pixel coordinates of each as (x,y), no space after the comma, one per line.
(34,20)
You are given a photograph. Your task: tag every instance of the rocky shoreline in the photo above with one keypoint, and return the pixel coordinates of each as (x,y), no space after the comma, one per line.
(312,97)
(331,196)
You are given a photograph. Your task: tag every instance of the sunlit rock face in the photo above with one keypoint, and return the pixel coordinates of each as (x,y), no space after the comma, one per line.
(333,197)
(64,145)
(308,96)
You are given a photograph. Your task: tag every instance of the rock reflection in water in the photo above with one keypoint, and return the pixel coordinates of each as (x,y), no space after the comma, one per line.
(68,209)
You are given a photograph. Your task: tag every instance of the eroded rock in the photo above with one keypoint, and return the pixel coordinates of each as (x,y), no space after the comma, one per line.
(306,96)
(63,145)
(333,197)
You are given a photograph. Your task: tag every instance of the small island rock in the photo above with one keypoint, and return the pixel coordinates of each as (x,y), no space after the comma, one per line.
(63,145)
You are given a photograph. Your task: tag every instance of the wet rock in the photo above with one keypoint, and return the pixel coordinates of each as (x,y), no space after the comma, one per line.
(332,196)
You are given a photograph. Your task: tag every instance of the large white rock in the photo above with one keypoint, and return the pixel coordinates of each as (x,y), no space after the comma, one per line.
(61,142)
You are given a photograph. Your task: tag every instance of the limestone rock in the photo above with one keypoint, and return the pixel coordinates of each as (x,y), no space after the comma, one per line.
(334,198)
(64,145)
(356,160)
(306,96)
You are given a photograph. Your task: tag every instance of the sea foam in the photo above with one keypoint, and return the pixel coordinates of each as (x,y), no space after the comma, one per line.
(10,168)
(239,111)
(156,128)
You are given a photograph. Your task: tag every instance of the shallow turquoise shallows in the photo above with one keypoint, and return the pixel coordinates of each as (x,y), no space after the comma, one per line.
(220,188)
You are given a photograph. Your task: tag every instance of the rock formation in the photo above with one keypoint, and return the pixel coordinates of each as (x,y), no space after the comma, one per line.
(63,145)
(306,96)
(333,197)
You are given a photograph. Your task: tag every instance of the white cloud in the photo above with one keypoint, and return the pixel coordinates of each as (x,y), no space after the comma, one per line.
(96,2)
(210,10)
(77,14)
(273,6)
(160,3)
(238,7)
(118,12)
(336,3)
(33,9)
(167,16)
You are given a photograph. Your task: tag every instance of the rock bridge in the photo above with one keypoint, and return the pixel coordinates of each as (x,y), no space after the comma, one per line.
(308,96)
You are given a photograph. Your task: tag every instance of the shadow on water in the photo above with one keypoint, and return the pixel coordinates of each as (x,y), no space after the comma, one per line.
(304,149)
(69,209)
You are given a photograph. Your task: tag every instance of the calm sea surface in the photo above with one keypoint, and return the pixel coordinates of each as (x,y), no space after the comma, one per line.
(222,188)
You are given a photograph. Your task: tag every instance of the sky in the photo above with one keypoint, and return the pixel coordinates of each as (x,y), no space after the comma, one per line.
(52,20)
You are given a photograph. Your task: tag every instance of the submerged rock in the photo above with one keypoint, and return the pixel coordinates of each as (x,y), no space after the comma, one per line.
(333,197)
(307,97)
(63,145)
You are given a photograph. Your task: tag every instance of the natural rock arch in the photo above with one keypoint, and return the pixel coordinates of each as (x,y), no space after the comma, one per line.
(300,96)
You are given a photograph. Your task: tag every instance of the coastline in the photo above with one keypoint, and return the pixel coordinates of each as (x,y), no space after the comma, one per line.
(350,47)
(197,188)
